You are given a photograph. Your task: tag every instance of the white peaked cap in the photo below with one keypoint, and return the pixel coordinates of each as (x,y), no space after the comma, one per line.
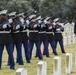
(32,16)
(21,14)
(12,13)
(38,18)
(47,18)
(3,12)
(57,19)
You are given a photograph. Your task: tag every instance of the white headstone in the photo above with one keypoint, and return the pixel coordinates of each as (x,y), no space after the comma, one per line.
(15,51)
(57,65)
(23,51)
(73,38)
(71,61)
(69,40)
(21,71)
(65,41)
(42,68)
(34,49)
(68,63)
(75,58)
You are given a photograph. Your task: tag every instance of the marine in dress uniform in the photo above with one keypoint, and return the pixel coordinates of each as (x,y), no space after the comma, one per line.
(10,19)
(6,38)
(34,36)
(23,30)
(58,34)
(17,38)
(50,34)
(43,36)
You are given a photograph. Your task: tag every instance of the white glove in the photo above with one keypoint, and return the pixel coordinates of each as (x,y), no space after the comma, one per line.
(27,21)
(35,25)
(43,25)
(39,21)
(10,20)
(18,26)
(45,21)
(50,27)
(58,29)
(5,26)
(62,25)
(22,21)
(54,23)
(24,27)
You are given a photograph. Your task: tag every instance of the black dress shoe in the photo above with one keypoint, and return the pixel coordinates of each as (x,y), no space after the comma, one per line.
(40,58)
(63,52)
(21,64)
(36,56)
(28,62)
(12,68)
(55,54)
(47,56)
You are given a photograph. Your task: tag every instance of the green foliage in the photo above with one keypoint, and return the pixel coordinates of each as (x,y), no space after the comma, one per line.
(64,9)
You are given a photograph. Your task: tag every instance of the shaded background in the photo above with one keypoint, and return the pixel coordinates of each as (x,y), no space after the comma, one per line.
(64,9)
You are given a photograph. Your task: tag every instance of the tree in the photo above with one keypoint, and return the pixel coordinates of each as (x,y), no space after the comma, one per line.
(64,9)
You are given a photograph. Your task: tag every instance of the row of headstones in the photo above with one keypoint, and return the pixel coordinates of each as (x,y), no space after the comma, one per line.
(42,66)
(69,40)
(68,34)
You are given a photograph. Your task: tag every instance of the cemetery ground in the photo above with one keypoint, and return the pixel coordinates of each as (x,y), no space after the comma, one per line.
(32,67)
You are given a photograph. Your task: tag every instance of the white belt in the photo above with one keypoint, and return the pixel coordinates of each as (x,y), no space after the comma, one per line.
(58,32)
(33,31)
(16,32)
(49,32)
(42,32)
(24,31)
(4,31)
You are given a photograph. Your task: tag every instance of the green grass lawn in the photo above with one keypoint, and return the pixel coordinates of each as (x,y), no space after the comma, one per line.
(32,67)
